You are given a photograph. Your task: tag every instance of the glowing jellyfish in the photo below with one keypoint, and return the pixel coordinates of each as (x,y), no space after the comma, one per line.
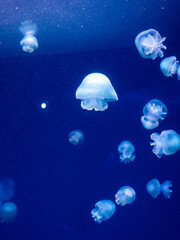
(8,212)
(29,43)
(154,111)
(150,44)
(6,189)
(154,188)
(170,66)
(126,149)
(76,137)
(94,91)
(168,142)
(103,210)
(43,105)
(125,195)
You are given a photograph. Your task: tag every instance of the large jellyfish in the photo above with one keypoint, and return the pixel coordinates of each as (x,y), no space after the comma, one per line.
(76,137)
(125,195)
(170,66)
(168,142)
(29,43)
(126,149)
(154,188)
(150,44)
(154,111)
(8,212)
(103,210)
(94,91)
(6,189)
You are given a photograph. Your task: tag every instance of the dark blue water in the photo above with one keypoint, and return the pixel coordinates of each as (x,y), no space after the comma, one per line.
(56,183)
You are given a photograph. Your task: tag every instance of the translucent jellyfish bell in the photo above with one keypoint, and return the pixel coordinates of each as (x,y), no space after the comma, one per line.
(126,149)
(94,91)
(76,137)
(150,44)
(29,43)
(8,212)
(154,111)
(28,28)
(168,142)
(103,210)
(170,66)
(154,188)
(125,195)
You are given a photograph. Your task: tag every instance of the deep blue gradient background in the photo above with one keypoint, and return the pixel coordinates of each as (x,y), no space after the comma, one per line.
(57,184)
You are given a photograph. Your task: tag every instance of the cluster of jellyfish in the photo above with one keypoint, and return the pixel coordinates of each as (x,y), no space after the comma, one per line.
(8,209)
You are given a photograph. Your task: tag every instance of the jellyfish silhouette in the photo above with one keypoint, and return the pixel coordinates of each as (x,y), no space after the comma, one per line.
(126,149)
(154,188)
(76,137)
(8,212)
(168,142)
(125,195)
(170,66)
(103,210)
(150,44)
(154,111)
(94,91)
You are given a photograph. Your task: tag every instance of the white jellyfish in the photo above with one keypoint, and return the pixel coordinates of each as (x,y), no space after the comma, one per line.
(125,195)
(8,212)
(126,149)
(154,111)
(168,142)
(150,44)
(94,91)
(76,137)
(154,188)
(170,66)
(103,210)
(29,42)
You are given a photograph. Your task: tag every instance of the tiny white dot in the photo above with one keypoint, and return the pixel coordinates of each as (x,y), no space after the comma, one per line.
(43,105)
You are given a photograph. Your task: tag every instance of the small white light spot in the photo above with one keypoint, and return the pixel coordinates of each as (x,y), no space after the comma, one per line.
(43,105)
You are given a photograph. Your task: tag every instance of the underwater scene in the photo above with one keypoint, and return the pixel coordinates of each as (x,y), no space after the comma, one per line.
(89,120)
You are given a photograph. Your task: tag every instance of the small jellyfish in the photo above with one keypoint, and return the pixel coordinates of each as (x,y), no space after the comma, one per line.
(29,43)
(8,212)
(168,142)
(170,66)
(154,188)
(127,149)
(150,44)
(94,91)
(125,195)
(103,210)
(76,137)
(28,28)
(154,111)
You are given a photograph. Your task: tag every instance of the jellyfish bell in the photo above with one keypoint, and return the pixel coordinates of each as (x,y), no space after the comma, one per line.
(28,28)
(94,91)
(125,195)
(76,137)
(169,66)
(29,43)
(150,44)
(8,212)
(103,210)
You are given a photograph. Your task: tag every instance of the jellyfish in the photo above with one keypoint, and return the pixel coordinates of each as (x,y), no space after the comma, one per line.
(125,195)
(29,43)
(150,44)
(154,188)
(103,210)
(154,111)
(168,142)
(170,66)
(94,91)
(127,149)
(76,137)
(8,212)
(6,189)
